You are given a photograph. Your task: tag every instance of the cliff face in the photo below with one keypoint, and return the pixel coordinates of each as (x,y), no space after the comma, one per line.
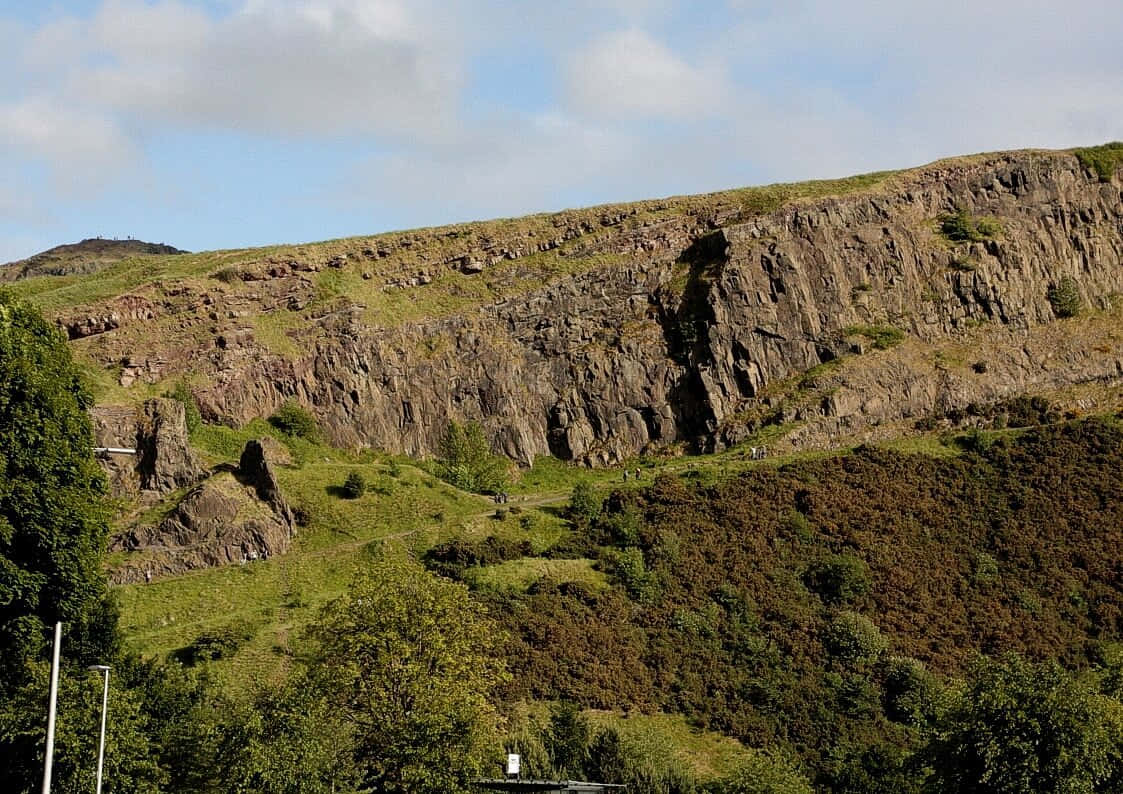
(679,330)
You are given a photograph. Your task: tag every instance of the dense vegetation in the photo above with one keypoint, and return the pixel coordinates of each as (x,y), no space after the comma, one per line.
(819,608)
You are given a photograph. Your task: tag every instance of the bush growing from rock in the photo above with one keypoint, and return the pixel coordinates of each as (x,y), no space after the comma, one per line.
(1064,297)
(181,393)
(963,227)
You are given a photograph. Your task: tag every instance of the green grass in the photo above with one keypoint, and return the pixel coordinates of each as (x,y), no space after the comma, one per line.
(883,337)
(707,754)
(1103,160)
(519,575)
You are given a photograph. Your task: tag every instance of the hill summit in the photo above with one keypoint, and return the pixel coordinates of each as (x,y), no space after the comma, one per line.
(88,256)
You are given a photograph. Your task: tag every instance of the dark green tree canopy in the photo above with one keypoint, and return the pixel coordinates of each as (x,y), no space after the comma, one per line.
(53,520)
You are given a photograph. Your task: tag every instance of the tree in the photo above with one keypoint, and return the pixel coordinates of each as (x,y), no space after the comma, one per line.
(567,740)
(129,762)
(354,486)
(467,462)
(410,664)
(53,516)
(289,741)
(1022,728)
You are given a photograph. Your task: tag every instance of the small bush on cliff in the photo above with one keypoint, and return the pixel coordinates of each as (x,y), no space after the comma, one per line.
(354,486)
(466,460)
(1104,160)
(1064,297)
(293,419)
(883,337)
(963,227)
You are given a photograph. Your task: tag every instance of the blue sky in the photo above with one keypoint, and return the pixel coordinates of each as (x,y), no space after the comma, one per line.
(231,123)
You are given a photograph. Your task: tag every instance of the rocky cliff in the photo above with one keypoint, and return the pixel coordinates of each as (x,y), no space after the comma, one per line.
(235,515)
(595,334)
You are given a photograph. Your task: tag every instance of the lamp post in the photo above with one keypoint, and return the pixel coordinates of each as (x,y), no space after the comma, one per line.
(101,668)
(51,707)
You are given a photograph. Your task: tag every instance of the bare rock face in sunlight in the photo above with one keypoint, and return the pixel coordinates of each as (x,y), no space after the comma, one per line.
(600,333)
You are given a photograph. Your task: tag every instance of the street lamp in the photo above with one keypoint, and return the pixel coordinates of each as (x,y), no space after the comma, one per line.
(101,668)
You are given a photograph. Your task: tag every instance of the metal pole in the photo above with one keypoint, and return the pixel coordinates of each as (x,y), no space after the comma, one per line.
(51,712)
(102,668)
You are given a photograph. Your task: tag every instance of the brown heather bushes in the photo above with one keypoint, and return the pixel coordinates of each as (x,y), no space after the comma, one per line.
(1014,546)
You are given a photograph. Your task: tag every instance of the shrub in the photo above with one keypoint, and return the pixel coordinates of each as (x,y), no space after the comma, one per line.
(219,643)
(839,579)
(354,486)
(181,393)
(584,505)
(910,690)
(963,227)
(630,570)
(293,419)
(883,337)
(1104,160)
(762,773)
(854,638)
(227,275)
(1064,297)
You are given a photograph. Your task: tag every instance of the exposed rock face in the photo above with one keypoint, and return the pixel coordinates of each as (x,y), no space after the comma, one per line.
(158,431)
(687,323)
(675,344)
(231,517)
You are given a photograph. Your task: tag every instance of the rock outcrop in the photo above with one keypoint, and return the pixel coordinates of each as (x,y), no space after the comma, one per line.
(157,430)
(234,516)
(646,331)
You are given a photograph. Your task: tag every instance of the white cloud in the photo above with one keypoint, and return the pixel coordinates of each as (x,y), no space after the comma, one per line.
(80,147)
(630,74)
(312,68)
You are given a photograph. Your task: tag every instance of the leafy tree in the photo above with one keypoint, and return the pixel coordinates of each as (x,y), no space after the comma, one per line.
(1023,728)
(130,764)
(289,741)
(567,739)
(467,462)
(53,518)
(410,664)
(854,638)
(840,578)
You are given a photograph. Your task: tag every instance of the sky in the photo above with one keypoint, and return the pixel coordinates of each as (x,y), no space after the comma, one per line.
(232,123)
